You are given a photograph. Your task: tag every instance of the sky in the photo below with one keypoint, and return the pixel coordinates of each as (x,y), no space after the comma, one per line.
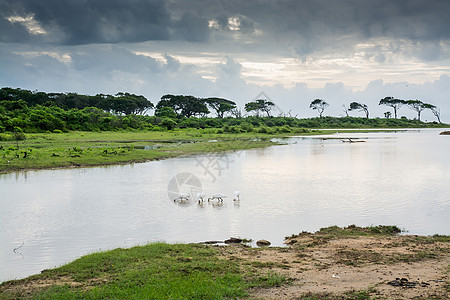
(287,51)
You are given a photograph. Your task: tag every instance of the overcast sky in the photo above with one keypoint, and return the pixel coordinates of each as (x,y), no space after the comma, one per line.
(292,51)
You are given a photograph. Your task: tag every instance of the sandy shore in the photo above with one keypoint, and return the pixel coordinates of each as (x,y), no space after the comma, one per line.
(342,267)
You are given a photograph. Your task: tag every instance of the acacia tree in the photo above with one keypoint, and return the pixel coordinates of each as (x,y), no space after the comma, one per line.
(236,112)
(259,105)
(417,105)
(184,106)
(320,105)
(359,107)
(220,106)
(392,102)
(435,110)
(345,110)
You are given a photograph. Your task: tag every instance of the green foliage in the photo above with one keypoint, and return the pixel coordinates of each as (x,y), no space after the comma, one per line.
(247,127)
(184,106)
(392,102)
(55,112)
(168,123)
(220,105)
(121,103)
(166,112)
(356,230)
(318,104)
(18,134)
(260,106)
(359,107)
(417,105)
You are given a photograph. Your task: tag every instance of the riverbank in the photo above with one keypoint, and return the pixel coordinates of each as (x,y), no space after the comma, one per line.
(333,263)
(81,149)
(86,148)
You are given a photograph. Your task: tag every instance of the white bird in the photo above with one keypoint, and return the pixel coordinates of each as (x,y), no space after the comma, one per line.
(217,196)
(200,197)
(181,197)
(236,196)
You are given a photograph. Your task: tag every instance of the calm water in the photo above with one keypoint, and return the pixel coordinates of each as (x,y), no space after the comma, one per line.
(397,178)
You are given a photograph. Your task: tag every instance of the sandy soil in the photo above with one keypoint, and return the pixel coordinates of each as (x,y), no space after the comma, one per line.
(335,268)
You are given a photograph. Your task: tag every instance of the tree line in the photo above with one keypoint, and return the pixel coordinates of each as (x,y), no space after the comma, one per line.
(417,105)
(26,111)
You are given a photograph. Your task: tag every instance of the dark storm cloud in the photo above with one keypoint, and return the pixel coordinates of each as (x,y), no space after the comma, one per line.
(88,21)
(309,21)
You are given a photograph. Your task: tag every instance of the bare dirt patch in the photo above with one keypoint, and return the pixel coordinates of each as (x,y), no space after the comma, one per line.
(342,267)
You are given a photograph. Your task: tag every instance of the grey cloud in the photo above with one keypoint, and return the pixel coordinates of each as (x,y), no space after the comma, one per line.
(311,25)
(230,67)
(191,28)
(311,22)
(110,58)
(92,21)
(172,63)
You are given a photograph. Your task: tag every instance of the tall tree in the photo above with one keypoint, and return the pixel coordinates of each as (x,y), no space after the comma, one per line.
(435,110)
(437,113)
(392,102)
(259,105)
(359,107)
(220,106)
(184,106)
(345,110)
(320,105)
(125,103)
(416,105)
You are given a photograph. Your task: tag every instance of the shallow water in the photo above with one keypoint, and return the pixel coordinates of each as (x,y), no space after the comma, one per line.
(397,178)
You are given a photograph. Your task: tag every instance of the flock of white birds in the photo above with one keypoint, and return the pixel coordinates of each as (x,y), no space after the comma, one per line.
(200,197)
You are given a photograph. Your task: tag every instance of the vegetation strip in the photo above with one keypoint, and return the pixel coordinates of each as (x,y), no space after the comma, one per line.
(50,130)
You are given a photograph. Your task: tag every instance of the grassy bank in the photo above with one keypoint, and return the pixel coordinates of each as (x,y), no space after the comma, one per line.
(192,271)
(54,150)
(155,271)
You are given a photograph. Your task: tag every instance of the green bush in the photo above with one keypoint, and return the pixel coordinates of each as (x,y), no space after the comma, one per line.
(284,129)
(247,127)
(168,123)
(18,134)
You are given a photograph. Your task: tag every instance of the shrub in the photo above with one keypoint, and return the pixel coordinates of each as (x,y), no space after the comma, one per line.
(284,129)
(4,137)
(247,127)
(168,123)
(18,134)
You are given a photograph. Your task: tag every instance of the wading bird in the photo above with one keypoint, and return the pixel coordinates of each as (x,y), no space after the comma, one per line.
(200,197)
(236,196)
(217,196)
(182,197)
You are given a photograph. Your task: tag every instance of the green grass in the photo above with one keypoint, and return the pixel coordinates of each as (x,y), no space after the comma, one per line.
(154,271)
(353,230)
(326,234)
(55,150)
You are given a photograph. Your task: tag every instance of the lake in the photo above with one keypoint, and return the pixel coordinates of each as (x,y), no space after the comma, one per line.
(51,217)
